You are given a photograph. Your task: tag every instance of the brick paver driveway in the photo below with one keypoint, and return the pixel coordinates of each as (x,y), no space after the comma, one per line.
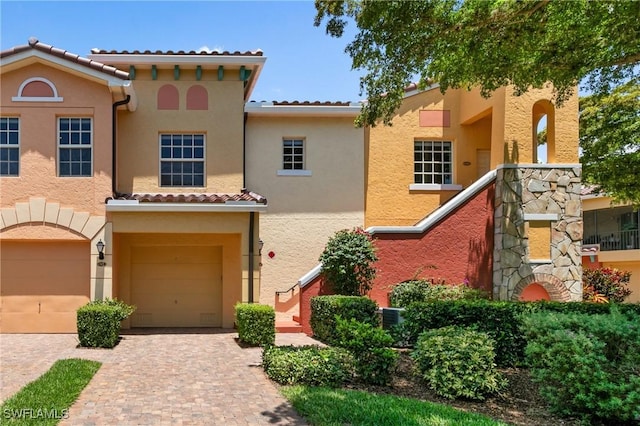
(198,377)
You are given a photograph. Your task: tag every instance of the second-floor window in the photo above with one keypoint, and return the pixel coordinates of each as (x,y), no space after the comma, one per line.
(293,154)
(432,162)
(182,160)
(75,142)
(9,146)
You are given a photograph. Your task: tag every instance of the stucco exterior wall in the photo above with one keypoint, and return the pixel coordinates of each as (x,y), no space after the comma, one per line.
(38,140)
(222,123)
(303,211)
(457,248)
(229,230)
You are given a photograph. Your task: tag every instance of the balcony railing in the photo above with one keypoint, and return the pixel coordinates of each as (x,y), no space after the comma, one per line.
(621,240)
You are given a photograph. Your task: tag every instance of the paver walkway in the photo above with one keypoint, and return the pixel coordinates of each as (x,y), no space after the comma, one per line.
(158,377)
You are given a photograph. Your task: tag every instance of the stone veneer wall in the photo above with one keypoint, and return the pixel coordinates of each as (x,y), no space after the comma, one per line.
(538,192)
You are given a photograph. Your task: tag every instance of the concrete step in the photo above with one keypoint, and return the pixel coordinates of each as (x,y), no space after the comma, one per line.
(288,327)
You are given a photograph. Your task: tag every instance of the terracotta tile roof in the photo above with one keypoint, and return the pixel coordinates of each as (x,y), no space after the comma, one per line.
(179,52)
(314,103)
(63,54)
(192,198)
(590,190)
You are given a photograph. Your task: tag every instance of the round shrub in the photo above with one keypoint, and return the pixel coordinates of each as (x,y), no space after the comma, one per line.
(308,365)
(458,362)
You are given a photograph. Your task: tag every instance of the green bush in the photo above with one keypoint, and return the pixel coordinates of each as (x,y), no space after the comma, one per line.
(412,291)
(347,262)
(98,322)
(587,365)
(458,362)
(256,324)
(501,320)
(369,345)
(309,365)
(325,308)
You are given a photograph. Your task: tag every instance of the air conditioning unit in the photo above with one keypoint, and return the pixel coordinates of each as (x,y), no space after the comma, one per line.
(391,317)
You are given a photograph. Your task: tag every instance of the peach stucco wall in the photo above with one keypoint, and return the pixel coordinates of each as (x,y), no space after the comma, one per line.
(222,123)
(304,211)
(38,145)
(457,248)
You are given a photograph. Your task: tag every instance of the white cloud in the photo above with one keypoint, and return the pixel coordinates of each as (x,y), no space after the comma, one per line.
(206,48)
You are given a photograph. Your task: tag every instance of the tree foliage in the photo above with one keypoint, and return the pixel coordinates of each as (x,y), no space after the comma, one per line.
(610,142)
(347,262)
(485,43)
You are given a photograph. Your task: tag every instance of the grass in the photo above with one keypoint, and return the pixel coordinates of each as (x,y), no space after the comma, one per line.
(326,407)
(46,400)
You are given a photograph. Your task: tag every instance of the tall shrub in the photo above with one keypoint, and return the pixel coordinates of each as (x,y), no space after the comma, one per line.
(347,262)
(610,283)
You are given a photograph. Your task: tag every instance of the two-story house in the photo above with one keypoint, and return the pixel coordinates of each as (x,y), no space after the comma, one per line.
(130,175)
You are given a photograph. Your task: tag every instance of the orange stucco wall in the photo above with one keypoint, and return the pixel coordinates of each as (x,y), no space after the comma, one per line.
(38,144)
(502,124)
(222,123)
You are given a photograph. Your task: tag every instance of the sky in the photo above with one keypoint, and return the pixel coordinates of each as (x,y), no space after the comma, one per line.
(303,63)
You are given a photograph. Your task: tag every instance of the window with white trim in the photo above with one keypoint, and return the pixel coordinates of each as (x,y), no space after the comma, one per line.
(182,160)
(9,146)
(75,146)
(432,162)
(293,154)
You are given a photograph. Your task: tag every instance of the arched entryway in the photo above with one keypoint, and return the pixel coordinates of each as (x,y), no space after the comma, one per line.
(541,287)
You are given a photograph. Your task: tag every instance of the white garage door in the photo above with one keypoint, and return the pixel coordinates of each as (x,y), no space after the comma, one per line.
(177,286)
(42,284)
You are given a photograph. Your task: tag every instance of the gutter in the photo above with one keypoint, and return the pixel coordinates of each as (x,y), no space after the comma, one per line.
(251,232)
(114,115)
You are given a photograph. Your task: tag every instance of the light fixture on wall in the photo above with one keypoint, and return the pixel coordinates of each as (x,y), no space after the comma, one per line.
(100,247)
(260,245)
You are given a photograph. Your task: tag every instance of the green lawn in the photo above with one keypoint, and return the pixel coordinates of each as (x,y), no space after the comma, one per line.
(325,407)
(46,400)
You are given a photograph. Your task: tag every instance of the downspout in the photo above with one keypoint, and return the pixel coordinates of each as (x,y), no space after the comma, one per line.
(251,232)
(113,141)
(244,151)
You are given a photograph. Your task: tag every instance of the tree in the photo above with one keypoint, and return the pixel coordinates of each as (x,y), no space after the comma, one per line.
(485,43)
(610,142)
(347,262)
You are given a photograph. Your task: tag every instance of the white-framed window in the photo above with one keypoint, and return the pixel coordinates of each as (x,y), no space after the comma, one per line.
(9,146)
(432,162)
(75,146)
(293,158)
(182,159)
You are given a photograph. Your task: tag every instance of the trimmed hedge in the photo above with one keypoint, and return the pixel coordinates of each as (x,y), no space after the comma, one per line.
(458,363)
(256,324)
(501,320)
(412,291)
(587,365)
(98,322)
(309,365)
(325,308)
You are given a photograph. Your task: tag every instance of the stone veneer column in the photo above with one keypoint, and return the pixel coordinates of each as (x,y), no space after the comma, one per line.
(538,192)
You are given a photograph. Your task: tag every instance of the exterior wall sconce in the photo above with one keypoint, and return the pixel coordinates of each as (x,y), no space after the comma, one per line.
(100,247)
(260,245)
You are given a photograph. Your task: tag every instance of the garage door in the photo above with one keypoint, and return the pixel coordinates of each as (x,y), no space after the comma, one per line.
(42,284)
(176,286)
